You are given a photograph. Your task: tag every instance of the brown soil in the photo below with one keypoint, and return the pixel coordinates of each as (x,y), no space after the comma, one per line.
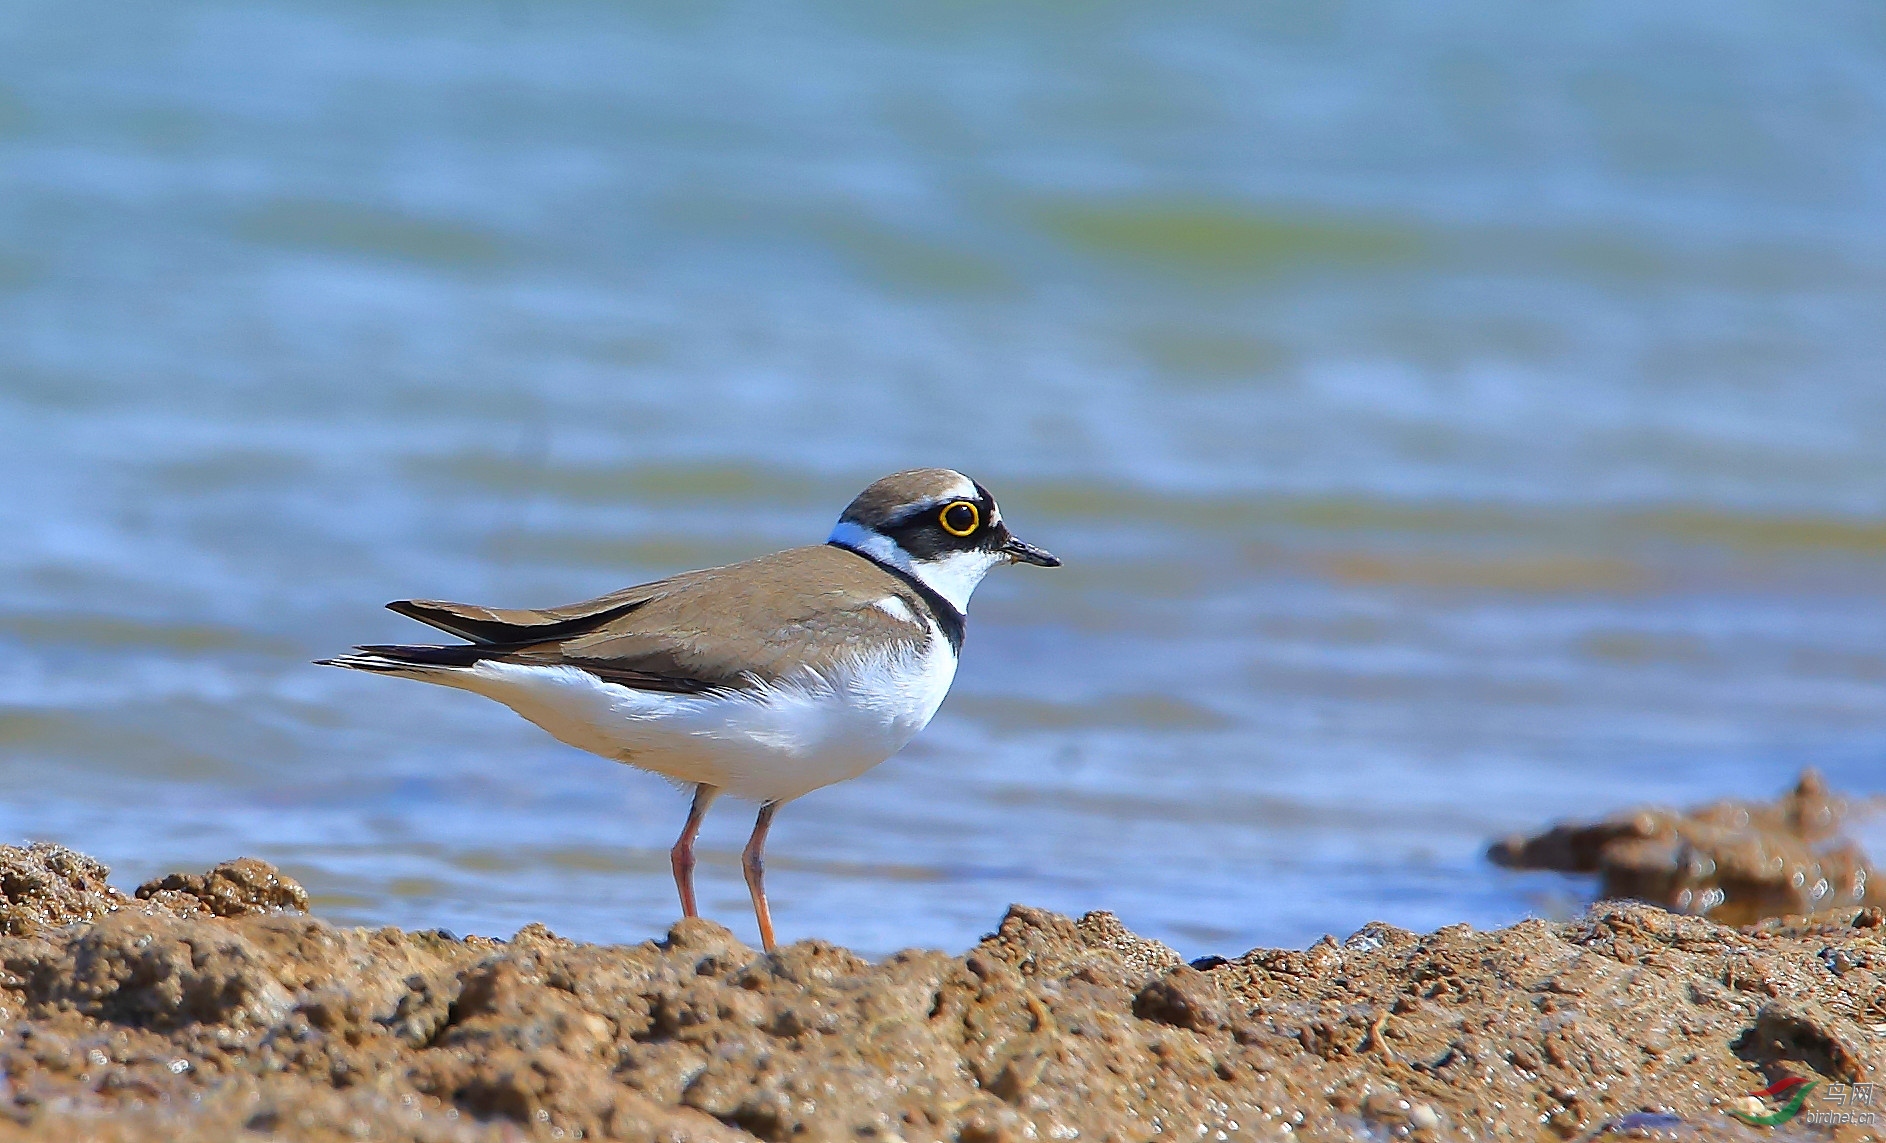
(1736,862)
(211,1008)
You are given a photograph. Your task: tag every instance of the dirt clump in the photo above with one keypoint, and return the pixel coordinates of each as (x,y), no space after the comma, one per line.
(1737,862)
(44,886)
(208,1020)
(233,889)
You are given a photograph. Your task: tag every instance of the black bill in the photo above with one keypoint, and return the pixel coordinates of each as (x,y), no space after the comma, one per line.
(1024,553)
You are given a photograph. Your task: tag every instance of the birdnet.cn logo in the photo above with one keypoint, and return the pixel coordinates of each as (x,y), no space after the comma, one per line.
(1838,1104)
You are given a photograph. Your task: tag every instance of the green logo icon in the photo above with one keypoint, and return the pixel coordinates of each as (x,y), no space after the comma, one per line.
(1791,1091)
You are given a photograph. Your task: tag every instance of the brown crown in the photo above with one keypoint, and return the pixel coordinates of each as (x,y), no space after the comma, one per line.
(891,497)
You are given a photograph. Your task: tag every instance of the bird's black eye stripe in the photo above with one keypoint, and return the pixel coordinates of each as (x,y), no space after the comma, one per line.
(960,518)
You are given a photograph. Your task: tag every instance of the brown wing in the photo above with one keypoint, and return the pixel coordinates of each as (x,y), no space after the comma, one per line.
(498,625)
(723,628)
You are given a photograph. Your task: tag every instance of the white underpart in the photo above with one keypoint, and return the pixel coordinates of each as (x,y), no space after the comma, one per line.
(770,744)
(953,576)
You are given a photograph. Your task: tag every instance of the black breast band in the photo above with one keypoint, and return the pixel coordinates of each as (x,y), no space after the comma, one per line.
(949,620)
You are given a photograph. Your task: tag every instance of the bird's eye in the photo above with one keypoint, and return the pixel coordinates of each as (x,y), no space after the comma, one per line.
(960,518)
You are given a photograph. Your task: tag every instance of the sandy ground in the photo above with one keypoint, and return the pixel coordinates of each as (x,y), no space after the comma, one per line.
(212,1007)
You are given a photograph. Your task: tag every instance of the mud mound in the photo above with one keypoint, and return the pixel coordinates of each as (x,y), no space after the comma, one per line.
(45,886)
(189,1015)
(1737,862)
(233,889)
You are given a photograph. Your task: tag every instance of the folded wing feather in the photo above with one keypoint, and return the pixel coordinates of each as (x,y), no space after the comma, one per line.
(670,635)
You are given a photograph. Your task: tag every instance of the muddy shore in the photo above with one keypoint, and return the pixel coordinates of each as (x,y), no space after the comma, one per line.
(212,1007)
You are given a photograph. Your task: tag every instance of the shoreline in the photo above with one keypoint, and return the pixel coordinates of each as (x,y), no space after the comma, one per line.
(213,1007)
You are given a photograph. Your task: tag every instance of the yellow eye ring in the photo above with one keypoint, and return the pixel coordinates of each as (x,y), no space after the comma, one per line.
(953,518)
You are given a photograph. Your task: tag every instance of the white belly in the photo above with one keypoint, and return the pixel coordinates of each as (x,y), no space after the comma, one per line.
(766,745)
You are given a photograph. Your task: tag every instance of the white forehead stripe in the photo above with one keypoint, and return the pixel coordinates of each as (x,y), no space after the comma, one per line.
(963,489)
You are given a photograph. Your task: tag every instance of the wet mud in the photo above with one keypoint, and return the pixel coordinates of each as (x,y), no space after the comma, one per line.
(214,1008)
(1733,861)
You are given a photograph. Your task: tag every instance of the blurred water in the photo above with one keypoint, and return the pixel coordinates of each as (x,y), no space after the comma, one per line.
(1452,419)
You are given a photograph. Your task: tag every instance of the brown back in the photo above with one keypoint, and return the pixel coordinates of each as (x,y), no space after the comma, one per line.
(724,628)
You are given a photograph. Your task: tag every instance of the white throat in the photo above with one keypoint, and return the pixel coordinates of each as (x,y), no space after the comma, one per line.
(954,576)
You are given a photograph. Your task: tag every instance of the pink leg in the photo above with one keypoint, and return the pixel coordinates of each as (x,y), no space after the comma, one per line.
(681,857)
(753,861)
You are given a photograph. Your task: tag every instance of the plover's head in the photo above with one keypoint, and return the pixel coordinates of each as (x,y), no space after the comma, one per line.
(939,526)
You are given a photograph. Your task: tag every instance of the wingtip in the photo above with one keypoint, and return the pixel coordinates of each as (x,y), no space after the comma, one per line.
(351,660)
(366,662)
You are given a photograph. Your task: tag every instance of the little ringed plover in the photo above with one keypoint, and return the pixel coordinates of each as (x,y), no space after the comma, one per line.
(766,679)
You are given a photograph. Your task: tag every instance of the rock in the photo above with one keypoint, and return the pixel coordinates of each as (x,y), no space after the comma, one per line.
(1738,862)
(1184,998)
(1039,943)
(45,886)
(233,889)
